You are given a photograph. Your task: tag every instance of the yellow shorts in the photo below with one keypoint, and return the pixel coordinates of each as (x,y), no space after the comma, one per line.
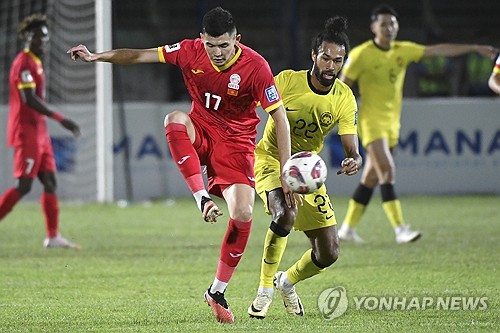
(317,210)
(369,132)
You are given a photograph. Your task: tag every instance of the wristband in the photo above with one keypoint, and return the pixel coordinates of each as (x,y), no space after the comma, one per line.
(57,116)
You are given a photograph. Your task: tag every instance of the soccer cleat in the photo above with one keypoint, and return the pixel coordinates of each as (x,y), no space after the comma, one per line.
(210,210)
(219,306)
(405,235)
(260,305)
(59,242)
(291,300)
(350,235)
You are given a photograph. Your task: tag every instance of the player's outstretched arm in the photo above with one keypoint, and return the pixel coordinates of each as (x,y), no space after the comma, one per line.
(452,50)
(118,56)
(352,161)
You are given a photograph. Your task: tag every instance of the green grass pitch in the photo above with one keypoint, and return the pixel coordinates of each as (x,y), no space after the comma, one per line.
(144,268)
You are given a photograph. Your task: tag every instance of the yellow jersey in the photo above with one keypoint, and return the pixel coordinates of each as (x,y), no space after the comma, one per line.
(380,75)
(312,114)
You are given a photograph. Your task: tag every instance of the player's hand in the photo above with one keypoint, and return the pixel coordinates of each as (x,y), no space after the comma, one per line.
(70,125)
(487,51)
(80,52)
(349,167)
(291,197)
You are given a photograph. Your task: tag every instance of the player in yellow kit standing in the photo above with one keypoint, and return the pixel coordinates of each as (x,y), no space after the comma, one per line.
(315,101)
(379,68)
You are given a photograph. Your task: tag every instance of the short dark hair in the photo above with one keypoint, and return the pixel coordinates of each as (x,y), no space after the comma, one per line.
(217,22)
(334,32)
(31,22)
(383,9)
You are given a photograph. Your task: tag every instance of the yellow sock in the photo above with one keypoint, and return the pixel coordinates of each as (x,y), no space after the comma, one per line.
(394,213)
(303,269)
(354,213)
(274,246)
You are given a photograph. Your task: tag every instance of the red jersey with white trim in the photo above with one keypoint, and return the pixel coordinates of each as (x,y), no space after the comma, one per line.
(25,122)
(225,97)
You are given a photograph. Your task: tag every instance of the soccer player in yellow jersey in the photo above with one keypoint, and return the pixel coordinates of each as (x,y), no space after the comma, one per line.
(315,101)
(379,67)
(494,81)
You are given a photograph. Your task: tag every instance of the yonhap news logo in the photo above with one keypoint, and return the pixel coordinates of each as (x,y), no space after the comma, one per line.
(333,303)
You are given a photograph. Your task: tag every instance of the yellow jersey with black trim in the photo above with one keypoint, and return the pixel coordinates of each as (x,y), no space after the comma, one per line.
(312,114)
(380,76)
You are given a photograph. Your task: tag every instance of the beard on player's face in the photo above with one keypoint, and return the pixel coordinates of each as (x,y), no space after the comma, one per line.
(321,76)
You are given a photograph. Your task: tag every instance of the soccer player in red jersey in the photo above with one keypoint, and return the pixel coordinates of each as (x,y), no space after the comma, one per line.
(27,129)
(226,80)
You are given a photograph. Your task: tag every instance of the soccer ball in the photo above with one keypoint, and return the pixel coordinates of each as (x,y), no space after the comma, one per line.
(304,172)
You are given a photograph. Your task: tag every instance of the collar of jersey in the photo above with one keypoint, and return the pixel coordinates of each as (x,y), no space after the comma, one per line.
(34,56)
(230,62)
(316,91)
(382,49)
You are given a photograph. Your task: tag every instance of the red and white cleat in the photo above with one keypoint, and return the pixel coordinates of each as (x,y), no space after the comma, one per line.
(219,306)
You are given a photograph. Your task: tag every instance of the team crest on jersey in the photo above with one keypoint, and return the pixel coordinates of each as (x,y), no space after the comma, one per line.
(326,119)
(234,84)
(272,94)
(172,47)
(26,76)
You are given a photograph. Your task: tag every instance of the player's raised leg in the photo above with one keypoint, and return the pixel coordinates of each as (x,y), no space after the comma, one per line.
(181,135)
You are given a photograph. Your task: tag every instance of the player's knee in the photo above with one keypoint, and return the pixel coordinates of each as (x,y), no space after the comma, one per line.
(23,189)
(242,214)
(175,117)
(50,187)
(386,174)
(285,218)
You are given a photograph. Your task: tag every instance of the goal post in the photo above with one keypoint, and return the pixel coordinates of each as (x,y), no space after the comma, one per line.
(104,104)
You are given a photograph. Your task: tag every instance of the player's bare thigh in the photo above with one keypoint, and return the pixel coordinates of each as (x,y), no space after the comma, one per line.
(381,160)
(179,117)
(240,200)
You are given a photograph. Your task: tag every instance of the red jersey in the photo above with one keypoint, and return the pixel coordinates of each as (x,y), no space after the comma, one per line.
(225,97)
(24,122)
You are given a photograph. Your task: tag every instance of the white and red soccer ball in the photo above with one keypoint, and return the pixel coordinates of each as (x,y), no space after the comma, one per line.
(304,172)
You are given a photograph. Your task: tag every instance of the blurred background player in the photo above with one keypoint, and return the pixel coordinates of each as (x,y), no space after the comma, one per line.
(494,80)
(225,80)
(315,102)
(27,128)
(379,67)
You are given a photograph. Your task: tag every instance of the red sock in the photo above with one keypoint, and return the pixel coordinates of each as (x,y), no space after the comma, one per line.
(8,200)
(185,156)
(232,248)
(50,209)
